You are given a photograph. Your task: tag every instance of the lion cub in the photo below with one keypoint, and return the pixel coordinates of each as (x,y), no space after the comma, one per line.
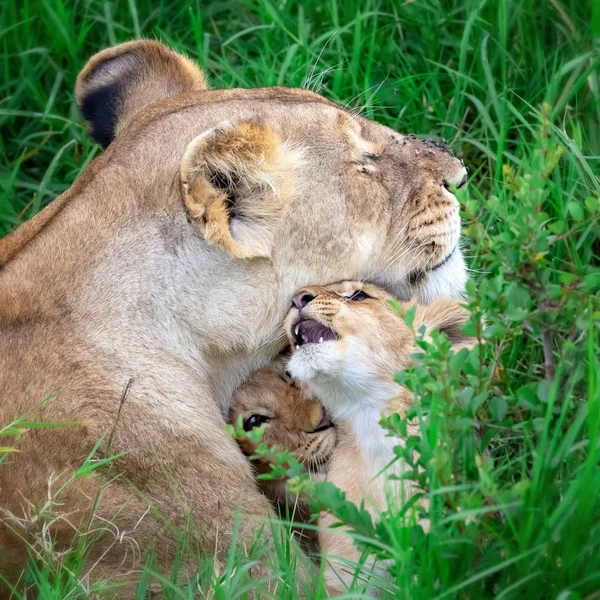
(348,342)
(291,421)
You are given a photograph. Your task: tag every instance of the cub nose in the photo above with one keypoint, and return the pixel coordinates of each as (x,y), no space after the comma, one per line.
(301,299)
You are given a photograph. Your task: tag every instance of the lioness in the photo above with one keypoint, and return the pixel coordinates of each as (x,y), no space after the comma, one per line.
(142,296)
(348,341)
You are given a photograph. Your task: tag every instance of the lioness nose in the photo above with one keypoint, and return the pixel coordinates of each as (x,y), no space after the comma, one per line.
(301,299)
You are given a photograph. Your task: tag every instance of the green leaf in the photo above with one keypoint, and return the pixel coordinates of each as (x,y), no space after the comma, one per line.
(458,360)
(591,283)
(591,204)
(527,396)
(494,331)
(396,307)
(575,210)
(543,390)
(498,408)
(478,401)
(520,488)
(409,316)
(518,295)
(516,314)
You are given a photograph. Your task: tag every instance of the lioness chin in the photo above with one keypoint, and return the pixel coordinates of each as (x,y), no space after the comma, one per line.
(166,271)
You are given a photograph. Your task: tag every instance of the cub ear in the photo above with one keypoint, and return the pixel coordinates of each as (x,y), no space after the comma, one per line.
(119,81)
(237,181)
(447,315)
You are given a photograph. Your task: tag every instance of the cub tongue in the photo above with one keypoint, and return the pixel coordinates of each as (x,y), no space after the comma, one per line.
(312,332)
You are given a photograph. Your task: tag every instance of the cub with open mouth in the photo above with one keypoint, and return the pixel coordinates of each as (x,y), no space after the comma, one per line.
(347,342)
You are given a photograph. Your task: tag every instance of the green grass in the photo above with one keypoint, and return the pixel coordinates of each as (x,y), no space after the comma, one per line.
(509,452)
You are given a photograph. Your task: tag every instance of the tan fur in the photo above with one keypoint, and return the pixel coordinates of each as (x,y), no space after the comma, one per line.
(353,377)
(111,285)
(152,72)
(295,423)
(258,172)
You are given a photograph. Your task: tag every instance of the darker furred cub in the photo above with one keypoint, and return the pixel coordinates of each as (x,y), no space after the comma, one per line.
(292,421)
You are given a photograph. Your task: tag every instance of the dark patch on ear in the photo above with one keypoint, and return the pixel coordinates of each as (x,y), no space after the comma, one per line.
(100,108)
(228,184)
(118,82)
(101,105)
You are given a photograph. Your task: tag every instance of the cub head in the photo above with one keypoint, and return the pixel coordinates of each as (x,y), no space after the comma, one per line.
(291,420)
(348,341)
(278,184)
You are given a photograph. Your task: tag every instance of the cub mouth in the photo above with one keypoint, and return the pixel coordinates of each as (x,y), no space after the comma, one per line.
(309,331)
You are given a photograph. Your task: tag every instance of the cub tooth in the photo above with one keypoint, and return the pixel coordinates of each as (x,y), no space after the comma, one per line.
(297,329)
(297,346)
(320,340)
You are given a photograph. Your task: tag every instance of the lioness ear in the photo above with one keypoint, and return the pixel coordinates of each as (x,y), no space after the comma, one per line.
(237,181)
(117,82)
(447,315)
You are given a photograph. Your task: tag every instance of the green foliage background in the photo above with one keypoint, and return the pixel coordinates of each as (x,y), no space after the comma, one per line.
(508,451)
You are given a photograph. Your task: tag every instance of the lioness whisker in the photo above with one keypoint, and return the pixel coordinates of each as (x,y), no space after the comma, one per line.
(311,74)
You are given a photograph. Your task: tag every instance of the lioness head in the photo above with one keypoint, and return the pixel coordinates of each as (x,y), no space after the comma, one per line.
(291,421)
(279,180)
(348,340)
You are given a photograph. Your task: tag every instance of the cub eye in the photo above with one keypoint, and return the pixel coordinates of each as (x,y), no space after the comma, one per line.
(359,295)
(254,421)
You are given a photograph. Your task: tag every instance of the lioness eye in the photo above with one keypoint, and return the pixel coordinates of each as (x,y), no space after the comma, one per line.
(359,295)
(254,421)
